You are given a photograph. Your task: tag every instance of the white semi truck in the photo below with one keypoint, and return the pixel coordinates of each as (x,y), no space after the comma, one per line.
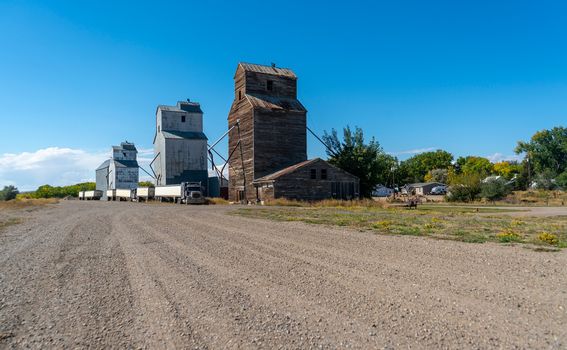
(185,192)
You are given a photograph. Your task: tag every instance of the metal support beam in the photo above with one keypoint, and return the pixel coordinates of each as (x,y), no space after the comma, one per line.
(324,144)
(144,170)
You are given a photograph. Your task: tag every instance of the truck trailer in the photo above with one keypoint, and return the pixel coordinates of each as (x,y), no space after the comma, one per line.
(145,193)
(93,195)
(125,194)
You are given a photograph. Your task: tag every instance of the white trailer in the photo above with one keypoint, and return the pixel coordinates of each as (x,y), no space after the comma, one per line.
(145,193)
(110,195)
(93,195)
(169,192)
(81,195)
(125,194)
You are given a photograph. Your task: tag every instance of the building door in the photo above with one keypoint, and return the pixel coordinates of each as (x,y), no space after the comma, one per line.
(240,195)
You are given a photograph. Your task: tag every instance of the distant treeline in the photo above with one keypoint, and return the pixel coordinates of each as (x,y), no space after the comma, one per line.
(47,191)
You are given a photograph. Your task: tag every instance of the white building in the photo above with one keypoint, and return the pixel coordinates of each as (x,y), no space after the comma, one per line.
(121,171)
(180,146)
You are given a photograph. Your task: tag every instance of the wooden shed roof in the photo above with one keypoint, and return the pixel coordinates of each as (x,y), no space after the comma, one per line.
(275,103)
(258,68)
(274,176)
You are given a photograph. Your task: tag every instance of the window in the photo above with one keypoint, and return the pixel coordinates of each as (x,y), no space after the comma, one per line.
(313,174)
(183,118)
(269,85)
(239,95)
(323,174)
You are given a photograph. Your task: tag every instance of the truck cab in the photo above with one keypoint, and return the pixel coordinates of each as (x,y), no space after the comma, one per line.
(194,193)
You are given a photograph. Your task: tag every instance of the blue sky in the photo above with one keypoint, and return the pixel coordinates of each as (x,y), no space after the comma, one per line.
(471,77)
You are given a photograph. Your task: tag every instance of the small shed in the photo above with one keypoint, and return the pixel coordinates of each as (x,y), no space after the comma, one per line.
(422,188)
(313,179)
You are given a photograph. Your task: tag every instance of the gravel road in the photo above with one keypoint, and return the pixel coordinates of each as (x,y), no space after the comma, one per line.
(131,275)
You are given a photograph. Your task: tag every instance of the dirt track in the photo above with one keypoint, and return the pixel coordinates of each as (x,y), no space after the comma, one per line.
(96,274)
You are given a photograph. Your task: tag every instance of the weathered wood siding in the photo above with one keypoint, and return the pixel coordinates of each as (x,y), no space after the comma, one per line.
(271,139)
(257,83)
(241,110)
(280,140)
(299,184)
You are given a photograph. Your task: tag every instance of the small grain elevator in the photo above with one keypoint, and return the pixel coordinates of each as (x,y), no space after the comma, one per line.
(180,146)
(121,171)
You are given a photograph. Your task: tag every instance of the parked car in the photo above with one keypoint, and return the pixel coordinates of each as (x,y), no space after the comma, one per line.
(438,191)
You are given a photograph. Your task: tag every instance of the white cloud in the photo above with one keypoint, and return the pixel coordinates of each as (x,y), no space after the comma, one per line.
(499,157)
(53,165)
(414,151)
(212,172)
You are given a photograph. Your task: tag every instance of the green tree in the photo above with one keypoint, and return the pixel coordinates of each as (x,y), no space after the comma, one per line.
(437,175)
(463,187)
(546,150)
(8,193)
(507,169)
(47,191)
(475,165)
(146,184)
(415,168)
(368,161)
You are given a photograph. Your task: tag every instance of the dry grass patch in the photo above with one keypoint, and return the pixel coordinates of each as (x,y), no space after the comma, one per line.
(460,223)
(327,203)
(217,201)
(23,203)
(4,223)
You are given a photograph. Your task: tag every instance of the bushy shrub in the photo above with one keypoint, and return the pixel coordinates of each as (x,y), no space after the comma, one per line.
(462,193)
(545,180)
(494,189)
(548,238)
(561,180)
(506,236)
(464,187)
(8,193)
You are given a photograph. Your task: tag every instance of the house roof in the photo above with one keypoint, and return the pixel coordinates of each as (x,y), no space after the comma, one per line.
(182,107)
(126,163)
(190,135)
(286,171)
(258,68)
(291,169)
(125,146)
(104,165)
(423,184)
(275,103)
(128,146)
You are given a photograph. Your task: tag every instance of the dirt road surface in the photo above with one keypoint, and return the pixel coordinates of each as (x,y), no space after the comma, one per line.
(130,275)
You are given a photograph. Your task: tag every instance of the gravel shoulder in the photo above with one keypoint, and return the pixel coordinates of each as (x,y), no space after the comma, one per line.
(121,275)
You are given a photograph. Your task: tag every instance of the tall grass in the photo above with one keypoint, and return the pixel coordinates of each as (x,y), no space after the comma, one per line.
(20,203)
(327,203)
(217,201)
